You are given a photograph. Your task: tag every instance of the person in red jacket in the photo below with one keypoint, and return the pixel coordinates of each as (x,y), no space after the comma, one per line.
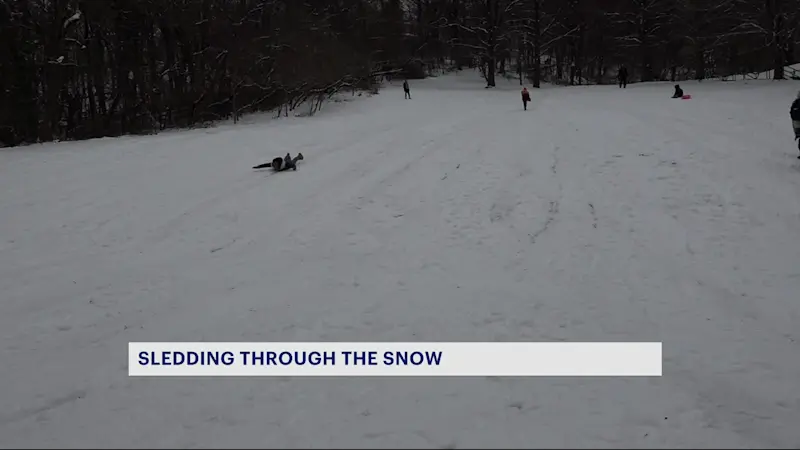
(526,97)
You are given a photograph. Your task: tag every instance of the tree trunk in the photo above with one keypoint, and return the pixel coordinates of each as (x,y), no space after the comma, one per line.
(490,68)
(775,17)
(521,46)
(491,42)
(537,43)
(700,64)
(645,55)
(600,69)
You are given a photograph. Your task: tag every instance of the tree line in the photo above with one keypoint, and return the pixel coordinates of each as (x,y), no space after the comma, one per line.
(77,69)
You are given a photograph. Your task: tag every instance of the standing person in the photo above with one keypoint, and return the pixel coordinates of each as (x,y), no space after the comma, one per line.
(622,76)
(794,112)
(526,97)
(406,89)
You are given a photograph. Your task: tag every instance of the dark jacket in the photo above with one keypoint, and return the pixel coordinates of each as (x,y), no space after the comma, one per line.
(405,86)
(678,92)
(290,163)
(526,96)
(794,111)
(280,164)
(623,73)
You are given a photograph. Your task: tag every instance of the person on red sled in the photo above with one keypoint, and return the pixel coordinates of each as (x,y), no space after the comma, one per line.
(526,97)
(281,164)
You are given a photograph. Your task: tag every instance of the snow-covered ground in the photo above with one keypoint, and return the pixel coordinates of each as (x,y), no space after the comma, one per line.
(598,215)
(789,72)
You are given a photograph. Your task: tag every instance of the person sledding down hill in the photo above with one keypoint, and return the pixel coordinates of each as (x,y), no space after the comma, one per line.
(281,164)
(526,97)
(794,112)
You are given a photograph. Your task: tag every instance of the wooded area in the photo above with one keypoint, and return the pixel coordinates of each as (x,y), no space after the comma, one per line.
(76,69)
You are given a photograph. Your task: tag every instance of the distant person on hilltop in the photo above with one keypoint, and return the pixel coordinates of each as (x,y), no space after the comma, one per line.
(678,92)
(406,89)
(794,112)
(526,97)
(622,76)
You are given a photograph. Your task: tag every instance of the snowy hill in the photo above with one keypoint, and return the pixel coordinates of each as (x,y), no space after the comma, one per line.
(600,214)
(790,72)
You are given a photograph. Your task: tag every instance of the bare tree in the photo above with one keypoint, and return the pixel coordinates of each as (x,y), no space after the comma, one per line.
(75,69)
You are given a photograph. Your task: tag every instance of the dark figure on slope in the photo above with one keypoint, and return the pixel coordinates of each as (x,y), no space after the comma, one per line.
(526,97)
(406,89)
(622,77)
(794,112)
(678,92)
(281,164)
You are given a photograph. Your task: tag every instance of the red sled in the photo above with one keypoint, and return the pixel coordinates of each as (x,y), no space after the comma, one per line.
(686,97)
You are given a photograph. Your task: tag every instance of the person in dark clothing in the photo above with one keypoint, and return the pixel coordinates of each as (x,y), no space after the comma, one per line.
(526,97)
(281,164)
(678,92)
(406,89)
(622,76)
(794,113)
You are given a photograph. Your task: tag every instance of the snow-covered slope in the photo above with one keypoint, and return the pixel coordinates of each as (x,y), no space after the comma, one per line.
(599,214)
(789,72)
